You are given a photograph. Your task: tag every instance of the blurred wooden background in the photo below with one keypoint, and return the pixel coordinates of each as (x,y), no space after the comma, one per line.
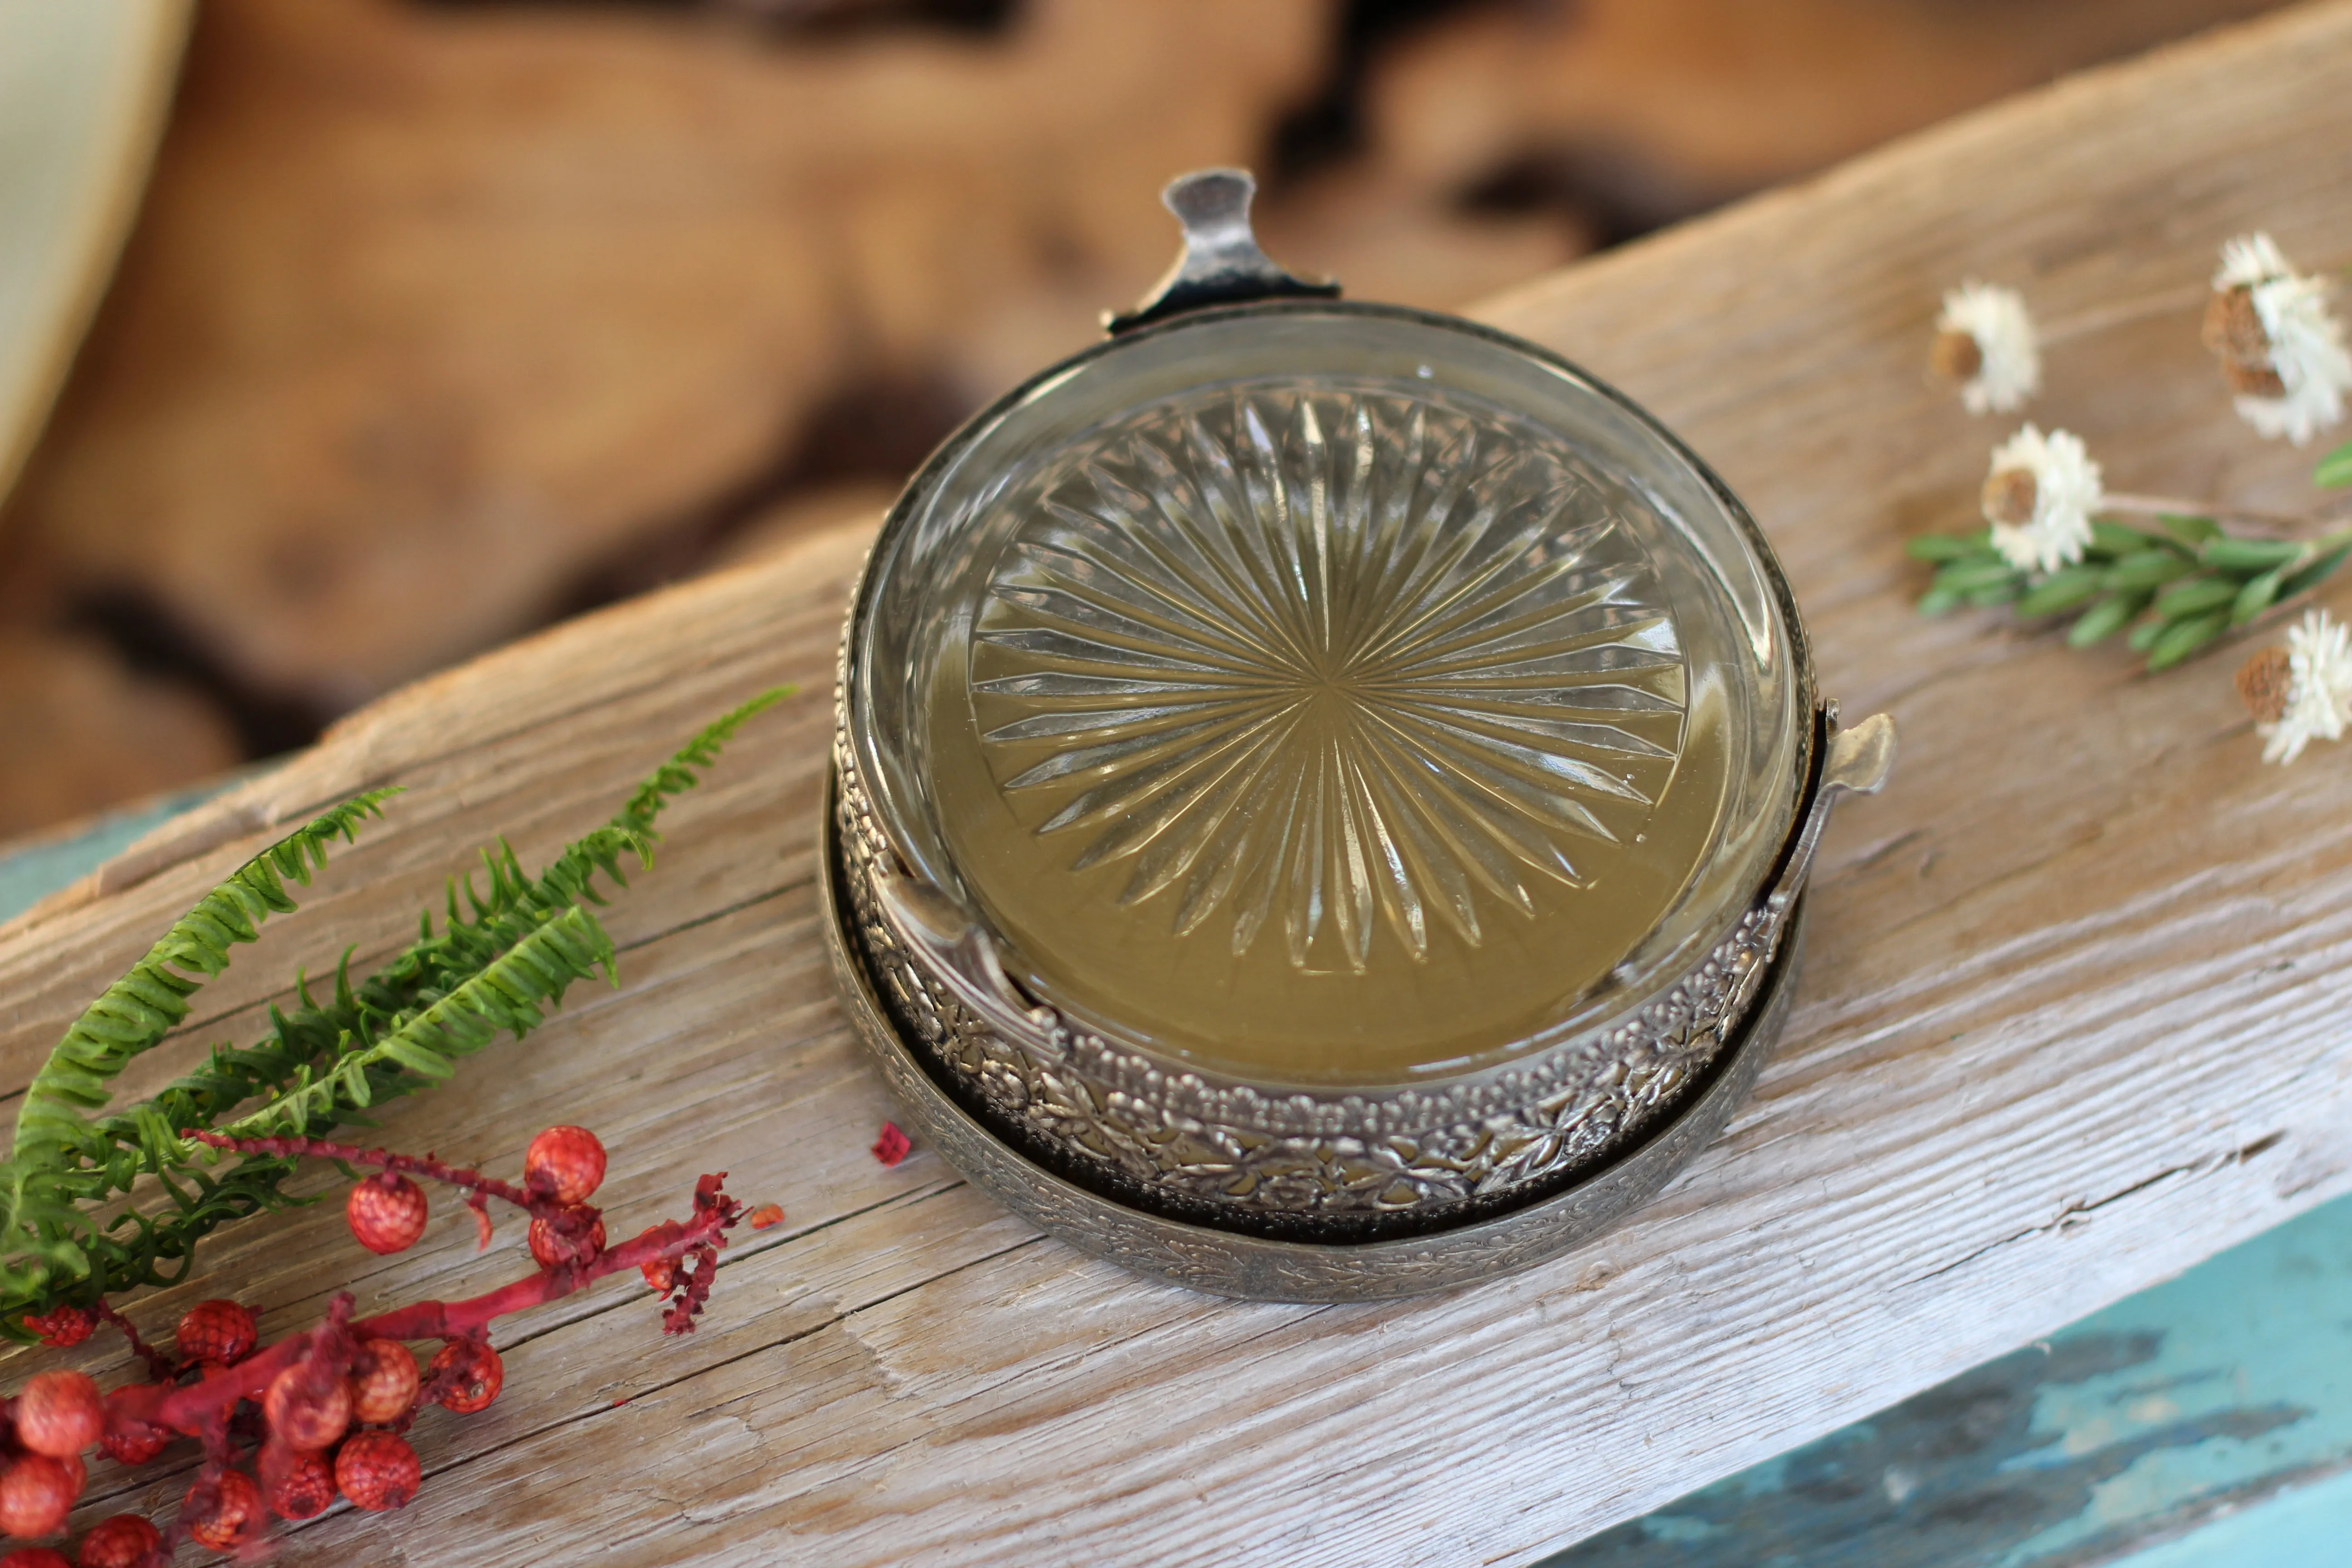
(446,319)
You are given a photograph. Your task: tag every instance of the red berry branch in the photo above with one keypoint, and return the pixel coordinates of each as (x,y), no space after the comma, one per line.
(286,1426)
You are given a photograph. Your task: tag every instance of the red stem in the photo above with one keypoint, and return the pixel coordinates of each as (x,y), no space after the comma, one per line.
(382,1159)
(160,1366)
(190,1410)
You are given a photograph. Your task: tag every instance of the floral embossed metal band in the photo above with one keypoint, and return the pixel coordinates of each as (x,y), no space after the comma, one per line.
(1229,1143)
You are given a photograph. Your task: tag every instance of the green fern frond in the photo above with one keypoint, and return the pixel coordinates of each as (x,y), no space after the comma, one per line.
(682,771)
(506,995)
(137,1011)
(506,953)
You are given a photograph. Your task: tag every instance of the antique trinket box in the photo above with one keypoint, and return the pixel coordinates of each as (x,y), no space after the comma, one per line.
(1323,792)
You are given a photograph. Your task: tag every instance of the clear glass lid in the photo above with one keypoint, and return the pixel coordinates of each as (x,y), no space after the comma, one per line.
(1326,695)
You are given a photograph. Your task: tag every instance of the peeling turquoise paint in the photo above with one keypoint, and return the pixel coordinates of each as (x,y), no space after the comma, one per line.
(2206,1421)
(2303,1527)
(29,872)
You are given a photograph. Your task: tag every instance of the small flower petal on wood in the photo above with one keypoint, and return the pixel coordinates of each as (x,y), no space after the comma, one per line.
(2039,496)
(892,1145)
(2318,700)
(2282,348)
(2264,682)
(1985,341)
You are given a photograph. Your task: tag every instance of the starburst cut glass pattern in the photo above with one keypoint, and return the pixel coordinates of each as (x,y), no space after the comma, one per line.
(1311,665)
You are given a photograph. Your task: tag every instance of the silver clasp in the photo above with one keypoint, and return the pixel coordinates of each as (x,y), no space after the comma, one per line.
(1222,263)
(1855,762)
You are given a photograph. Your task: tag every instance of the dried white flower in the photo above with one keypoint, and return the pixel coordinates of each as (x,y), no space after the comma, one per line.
(2039,498)
(1985,341)
(2302,691)
(2249,259)
(2282,348)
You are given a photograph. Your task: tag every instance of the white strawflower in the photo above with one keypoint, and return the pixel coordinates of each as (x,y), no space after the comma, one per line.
(2302,691)
(1985,341)
(2282,348)
(2039,498)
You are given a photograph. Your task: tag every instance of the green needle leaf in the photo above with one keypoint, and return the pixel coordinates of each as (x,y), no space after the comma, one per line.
(2112,539)
(2062,590)
(2256,596)
(2181,638)
(2252,554)
(2107,617)
(2149,569)
(1974,573)
(2196,598)
(2335,469)
(2312,575)
(2191,531)
(1945,546)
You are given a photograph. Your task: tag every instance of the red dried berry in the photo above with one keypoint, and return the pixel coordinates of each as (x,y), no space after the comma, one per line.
(123,1541)
(565,1163)
(660,1274)
(378,1471)
(237,1507)
(217,1331)
(383,1381)
(549,1247)
(34,1557)
(133,1442)
(305,1487)
(476,1375)
(892,1145)
(62,1328)
(307,1410)
(37,1494)
(766,1215)
(387,1213)
(59,1413)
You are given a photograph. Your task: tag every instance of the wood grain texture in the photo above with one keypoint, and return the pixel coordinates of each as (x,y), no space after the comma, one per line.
(2205,1423)
(2073,1018)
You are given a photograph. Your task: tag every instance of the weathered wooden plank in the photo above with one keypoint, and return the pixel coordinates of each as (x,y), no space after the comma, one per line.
(2073,1019)
(2205,1422)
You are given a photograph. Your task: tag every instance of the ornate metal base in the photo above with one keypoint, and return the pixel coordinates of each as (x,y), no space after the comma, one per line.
(1262,1269)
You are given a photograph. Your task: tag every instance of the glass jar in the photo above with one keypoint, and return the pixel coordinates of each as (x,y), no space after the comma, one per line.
(1318,782)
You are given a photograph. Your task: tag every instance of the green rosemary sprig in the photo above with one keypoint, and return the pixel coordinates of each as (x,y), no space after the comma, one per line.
(505,955)
(2177,587)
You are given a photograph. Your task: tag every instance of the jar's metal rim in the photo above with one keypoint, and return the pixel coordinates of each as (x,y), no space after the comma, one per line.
(865,742)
